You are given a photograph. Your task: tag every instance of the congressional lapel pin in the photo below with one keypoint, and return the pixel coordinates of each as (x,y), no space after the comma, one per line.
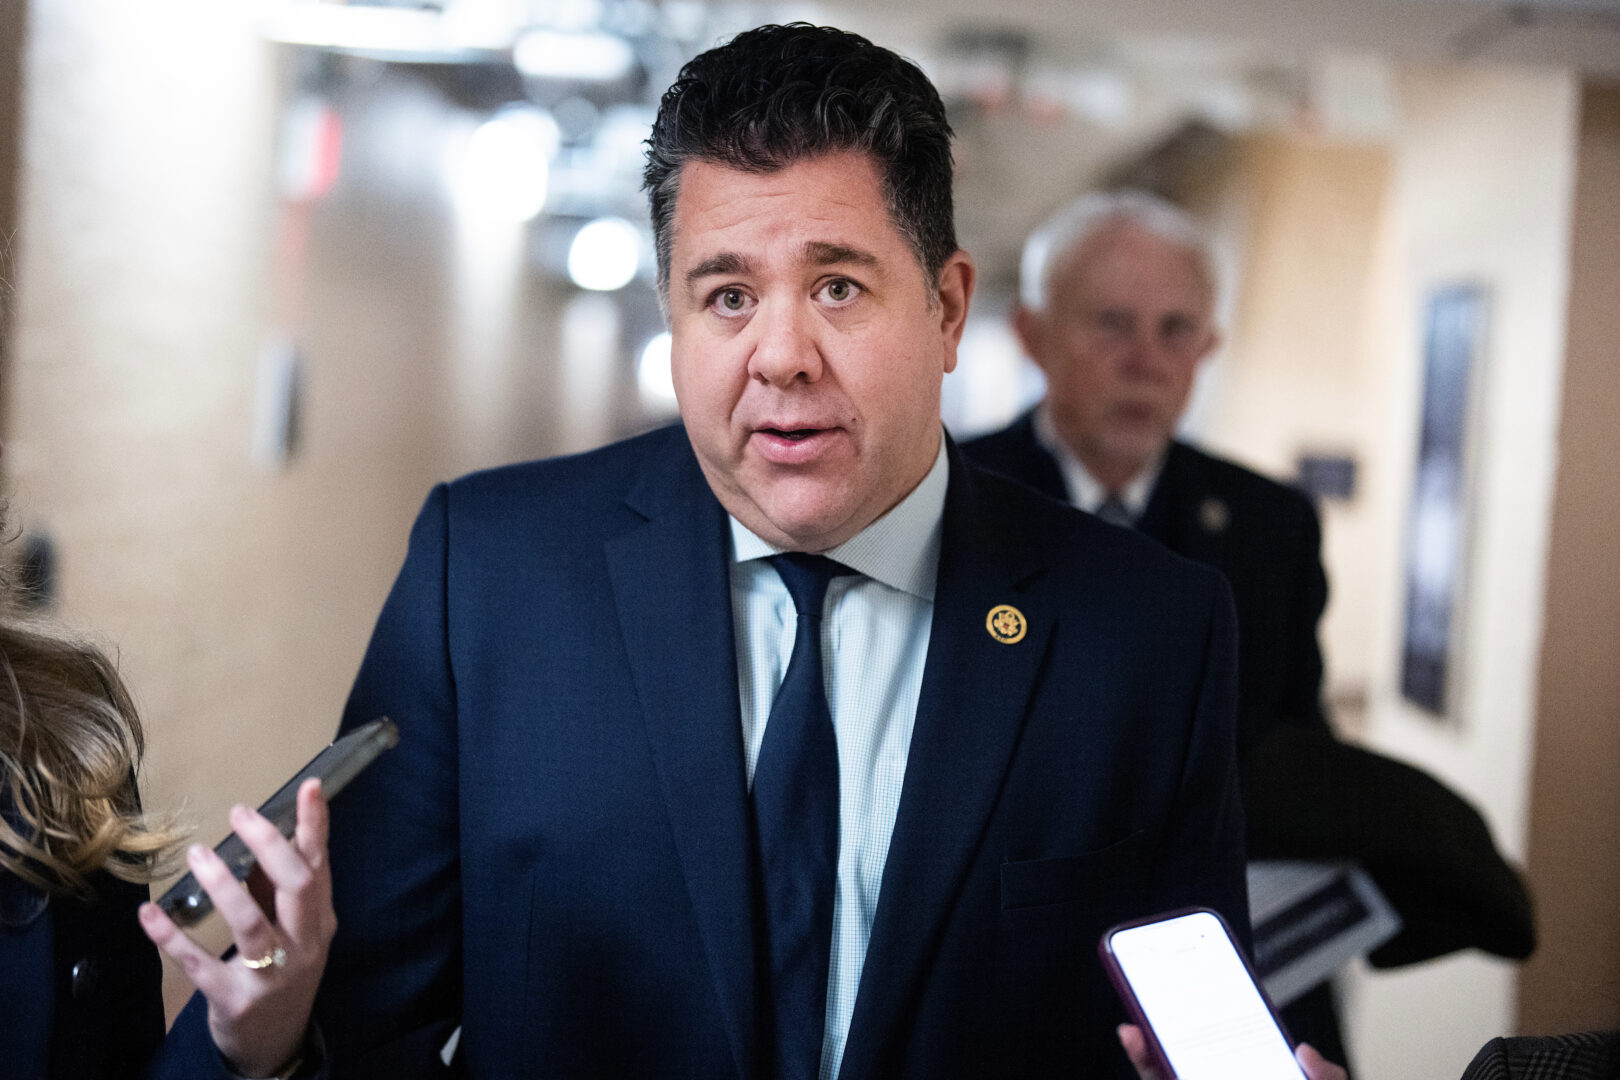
(1006,624)
(1214,516)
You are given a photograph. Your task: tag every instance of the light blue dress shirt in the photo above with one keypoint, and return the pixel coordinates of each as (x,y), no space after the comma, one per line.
(874,644)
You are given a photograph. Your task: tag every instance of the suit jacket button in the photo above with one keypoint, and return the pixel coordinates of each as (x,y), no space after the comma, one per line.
(86,980)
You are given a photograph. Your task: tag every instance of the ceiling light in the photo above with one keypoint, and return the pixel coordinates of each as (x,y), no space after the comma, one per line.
(589,57)
(605,254)
(507,168)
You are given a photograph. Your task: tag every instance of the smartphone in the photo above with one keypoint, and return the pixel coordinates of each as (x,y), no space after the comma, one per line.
(1189,988)
(187,903)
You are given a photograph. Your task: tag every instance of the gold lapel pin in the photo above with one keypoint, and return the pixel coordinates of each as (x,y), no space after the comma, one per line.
(1214,516)
(1006,624)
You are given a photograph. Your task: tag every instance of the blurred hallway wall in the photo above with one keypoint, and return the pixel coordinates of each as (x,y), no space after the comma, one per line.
(161,270)
(1574,841)
(1337,247)
(141,276)
(1302,217)
(13,15)
(1482,194)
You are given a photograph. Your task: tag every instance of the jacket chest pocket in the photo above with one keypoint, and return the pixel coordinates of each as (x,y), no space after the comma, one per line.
(1107,873)
(1053,911)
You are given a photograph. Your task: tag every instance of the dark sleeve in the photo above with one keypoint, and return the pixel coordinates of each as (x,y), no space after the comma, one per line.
(1303,673)
(1203,857)
(392,991)
(188,1053)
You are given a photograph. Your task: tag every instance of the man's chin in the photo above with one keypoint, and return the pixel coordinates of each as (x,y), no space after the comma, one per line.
(802,525)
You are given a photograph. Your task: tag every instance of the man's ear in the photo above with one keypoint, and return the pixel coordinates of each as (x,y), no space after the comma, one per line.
(956,280)
(1029,326)
(1210,346)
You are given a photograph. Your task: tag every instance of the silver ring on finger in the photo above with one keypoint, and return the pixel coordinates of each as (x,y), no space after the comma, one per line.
(276,957)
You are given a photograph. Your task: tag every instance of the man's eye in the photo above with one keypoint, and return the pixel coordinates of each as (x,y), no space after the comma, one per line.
(1179,330)
(1115,322)
(839,289)
(730,301)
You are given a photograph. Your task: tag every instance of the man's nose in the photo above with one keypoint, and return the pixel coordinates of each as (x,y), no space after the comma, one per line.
(785,344)
(1147,355)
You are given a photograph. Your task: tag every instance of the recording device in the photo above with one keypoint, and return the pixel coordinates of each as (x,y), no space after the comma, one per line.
(1190,990)
(187,903)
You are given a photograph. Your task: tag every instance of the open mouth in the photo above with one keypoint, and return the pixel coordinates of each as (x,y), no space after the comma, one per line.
(792,434)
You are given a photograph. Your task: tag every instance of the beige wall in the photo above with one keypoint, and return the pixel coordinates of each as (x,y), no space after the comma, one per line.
(238,598)
(1335,247)
(1300,218)
(1482,193)
(13,28)
(1573,982)
(143,249)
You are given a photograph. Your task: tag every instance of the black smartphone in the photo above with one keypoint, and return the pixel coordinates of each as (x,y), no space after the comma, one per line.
(1189,988)
(187,903)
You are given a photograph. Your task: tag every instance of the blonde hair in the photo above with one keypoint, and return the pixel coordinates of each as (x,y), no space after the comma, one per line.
(70,745)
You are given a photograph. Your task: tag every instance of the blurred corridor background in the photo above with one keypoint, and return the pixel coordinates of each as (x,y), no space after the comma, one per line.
(271,269)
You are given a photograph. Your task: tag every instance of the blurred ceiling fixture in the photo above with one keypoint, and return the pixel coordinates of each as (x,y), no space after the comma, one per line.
(507,166)
(586,57)
(605,255)
(406,35)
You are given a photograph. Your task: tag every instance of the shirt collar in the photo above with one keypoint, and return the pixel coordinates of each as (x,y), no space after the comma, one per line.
(1085,491)
(899,549)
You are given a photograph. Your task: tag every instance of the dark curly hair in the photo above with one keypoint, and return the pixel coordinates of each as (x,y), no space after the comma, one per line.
(776,95)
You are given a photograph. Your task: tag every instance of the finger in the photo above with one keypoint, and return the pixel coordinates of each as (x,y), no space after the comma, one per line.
(291,897)
(1316,1066)
(1135,1045)
(314,823)
(199,965)
(282,863)
(250,928)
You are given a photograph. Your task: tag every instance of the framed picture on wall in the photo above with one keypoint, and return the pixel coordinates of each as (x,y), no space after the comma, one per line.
(1454,329)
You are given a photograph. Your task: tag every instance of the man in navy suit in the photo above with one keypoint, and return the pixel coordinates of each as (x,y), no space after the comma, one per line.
(577,852)
(1117,297)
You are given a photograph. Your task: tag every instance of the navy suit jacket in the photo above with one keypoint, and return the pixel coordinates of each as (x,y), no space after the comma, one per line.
(557,858)
(1264,537)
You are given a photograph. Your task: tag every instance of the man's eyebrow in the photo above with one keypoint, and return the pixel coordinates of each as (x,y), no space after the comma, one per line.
(727,262)
(821,253)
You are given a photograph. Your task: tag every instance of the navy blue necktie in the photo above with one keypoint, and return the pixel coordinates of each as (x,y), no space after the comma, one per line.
(1114,511)
(796,820)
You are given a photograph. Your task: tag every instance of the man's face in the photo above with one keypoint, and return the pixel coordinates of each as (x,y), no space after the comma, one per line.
(808,347)
(1127,320)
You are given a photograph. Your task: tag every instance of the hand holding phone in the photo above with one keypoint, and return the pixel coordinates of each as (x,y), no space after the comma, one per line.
(187,903)
(1201,1013)
(260,999)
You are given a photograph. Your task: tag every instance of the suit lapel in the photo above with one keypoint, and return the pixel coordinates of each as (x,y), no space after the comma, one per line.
(969,715)
(1172,513)
(672,588)
(1034,464)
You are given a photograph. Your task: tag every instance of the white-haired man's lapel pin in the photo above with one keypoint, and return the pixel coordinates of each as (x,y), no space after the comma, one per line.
(1214,516)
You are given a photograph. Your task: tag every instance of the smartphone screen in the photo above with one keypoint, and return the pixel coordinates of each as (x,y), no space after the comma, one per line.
(187,903)
(1184,978)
